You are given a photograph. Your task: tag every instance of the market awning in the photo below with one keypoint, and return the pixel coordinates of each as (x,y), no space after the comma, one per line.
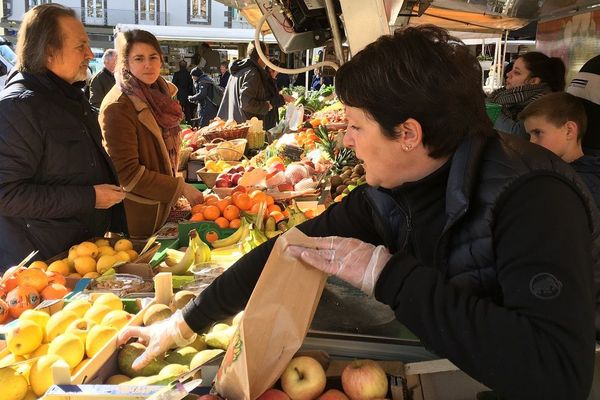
(200,34)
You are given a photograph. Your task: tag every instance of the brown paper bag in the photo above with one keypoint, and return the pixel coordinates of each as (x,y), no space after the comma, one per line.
(274,324)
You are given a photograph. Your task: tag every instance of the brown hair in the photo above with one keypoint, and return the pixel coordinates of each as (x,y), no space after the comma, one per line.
(40,35)
(126,40)
(558,108)
(251,51)
(550,70)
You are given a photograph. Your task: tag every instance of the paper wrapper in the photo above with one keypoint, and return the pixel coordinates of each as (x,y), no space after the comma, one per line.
(274,324)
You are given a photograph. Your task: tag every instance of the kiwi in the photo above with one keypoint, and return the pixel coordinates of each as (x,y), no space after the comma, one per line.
(336,180)
(340,189)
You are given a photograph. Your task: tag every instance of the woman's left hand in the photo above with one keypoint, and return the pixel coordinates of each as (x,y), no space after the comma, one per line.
(351,260)
(193,195)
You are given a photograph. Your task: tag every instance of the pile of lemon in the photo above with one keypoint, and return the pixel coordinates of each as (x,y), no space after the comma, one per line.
(216,166)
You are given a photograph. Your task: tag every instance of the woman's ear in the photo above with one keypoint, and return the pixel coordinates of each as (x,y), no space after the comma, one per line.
(534,81)
(409,133)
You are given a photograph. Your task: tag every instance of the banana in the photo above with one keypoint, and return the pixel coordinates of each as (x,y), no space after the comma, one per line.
(173,257)
(235,237)
(272,234)
(202,251)
(187,260)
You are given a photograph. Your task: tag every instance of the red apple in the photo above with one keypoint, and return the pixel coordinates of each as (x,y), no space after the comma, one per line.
(303,378)
(235,178)
(273,394)
(222,183)
(209,397)
(285,187)
(333,394)
(364,379)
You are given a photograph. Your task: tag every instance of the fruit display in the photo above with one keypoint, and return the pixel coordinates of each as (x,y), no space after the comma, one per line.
(74,334)
(179,262)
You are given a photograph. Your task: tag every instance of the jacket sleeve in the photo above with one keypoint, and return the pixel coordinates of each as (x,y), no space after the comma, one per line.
(21,153)
(537,341)
(230,292)
(251,91)
(201,95)
(120,130)
(97,92)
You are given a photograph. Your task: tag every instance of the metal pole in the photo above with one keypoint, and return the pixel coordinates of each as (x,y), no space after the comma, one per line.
(308,62)
(504,57)
(335,30)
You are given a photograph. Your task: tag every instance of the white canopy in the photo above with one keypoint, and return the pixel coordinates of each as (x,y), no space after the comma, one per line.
(197,34)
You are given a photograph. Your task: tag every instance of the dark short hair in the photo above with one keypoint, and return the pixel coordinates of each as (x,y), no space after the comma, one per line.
(550,70)
(252,52)
(40,35)
(225,64)
(558,108)
(422,73)
(127,39)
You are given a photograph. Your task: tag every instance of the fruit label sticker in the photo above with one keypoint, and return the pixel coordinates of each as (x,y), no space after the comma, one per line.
(233,353)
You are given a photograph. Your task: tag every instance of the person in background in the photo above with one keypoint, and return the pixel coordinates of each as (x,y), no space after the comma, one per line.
(246,94)
(557,121)
(104,80)
(484,245)
(140,122)
(319,80)
(224,74)
(586,86)
(533,75)
(281,80)
(203,94)
(185,88)
(277,99)
(58,187)
(212,58)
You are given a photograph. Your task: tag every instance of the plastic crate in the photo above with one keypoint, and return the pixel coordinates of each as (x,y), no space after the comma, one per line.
(493,110)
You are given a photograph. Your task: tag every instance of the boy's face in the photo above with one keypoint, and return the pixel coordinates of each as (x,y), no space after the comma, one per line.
(546,134)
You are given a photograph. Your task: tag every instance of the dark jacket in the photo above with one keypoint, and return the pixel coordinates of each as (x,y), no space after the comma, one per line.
(100,85)
(51,155)
(246,94)
(223,79)
(588,168)
(505,291)
(185,85)
(206,110)
(277,101)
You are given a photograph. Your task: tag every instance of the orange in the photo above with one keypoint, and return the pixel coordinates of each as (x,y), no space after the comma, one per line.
(270,200)
(22,298)
(258,196)
(54,291)
(211,236)
(10,283)
(310,213)
(39,265)
(235,223)
(36,278)
(273,207)
(3,311)
(224,203)
(243,201)
(231,212)
(238,189)
(211,200)
(254,208)
(197,217)
(55,277)
(223,223)
(277,215)
(198,208)
(211,213)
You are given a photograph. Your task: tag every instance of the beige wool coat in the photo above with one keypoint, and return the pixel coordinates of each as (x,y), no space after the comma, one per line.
(134,141)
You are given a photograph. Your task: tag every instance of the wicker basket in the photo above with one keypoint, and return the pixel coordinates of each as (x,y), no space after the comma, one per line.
(256,140)
(233,151)
(240,132)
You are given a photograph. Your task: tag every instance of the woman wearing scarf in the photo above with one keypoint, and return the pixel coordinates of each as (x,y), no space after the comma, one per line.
(533,75)
(140,119)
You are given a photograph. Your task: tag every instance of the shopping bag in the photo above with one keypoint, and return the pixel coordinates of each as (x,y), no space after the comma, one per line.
(274,324)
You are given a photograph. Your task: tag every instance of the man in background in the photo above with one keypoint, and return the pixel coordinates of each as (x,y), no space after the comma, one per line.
(224,76)
(185,88)
(104,80)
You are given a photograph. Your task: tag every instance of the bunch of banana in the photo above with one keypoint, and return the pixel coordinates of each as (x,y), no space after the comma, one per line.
(179,262)
(238,236)
(271,228)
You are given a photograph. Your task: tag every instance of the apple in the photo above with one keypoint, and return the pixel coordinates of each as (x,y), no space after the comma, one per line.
(277,167)
(303,378)
(285,187)
(223,181)
(209,397)
(235,178)
(273,394)
(333,394)
(364,379)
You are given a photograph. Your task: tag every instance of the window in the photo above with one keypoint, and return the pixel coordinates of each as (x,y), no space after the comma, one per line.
(93,12)
(32,3)
(147,10)
(199,12)
(6,8)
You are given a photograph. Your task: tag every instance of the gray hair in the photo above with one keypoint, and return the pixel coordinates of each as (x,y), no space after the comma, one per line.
(108,55)
(40,35)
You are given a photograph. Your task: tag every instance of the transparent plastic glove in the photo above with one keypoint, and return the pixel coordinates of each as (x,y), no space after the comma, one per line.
(158,338)
(351,260)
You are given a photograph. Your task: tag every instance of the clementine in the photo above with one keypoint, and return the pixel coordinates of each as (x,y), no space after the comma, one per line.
(198,208)
(258,196)
(211,200)
(222,222)
(235,223)
(211,213)
(224,203)
(54,291)
(36,278)
(197,217)
(242,201)
(231,212)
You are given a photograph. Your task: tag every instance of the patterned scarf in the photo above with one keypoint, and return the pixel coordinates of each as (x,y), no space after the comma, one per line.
(514,100)
(166,111)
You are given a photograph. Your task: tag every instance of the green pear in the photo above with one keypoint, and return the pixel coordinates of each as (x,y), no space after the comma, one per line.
(181,356)
(127,356)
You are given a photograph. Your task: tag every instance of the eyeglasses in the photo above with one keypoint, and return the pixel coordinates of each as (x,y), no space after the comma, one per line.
(142,60)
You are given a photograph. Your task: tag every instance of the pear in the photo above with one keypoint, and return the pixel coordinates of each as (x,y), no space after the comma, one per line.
(204,356)
(155,313)
(220,339)
(116,379)
(127,356)
(181,356)
(199,343)
(174,370)
(180,299)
